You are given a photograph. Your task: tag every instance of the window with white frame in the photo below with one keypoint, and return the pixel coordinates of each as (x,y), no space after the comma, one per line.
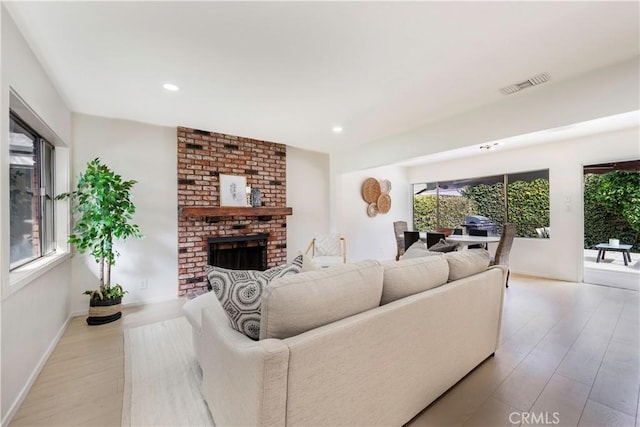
(31,181)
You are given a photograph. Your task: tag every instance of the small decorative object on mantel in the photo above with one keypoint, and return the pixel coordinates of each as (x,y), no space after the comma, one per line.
(376,194)
(231,193)
(256,198)
(248,196)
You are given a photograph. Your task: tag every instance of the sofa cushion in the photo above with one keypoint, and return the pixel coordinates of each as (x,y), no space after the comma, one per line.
(410,276)
(418,250)
(240,293)
(467,263)
(193,309)
(297,303)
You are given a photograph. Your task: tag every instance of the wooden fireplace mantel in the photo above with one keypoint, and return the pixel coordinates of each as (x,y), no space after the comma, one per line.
(222,212)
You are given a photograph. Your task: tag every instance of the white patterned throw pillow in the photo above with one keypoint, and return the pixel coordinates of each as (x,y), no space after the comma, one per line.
(240,293)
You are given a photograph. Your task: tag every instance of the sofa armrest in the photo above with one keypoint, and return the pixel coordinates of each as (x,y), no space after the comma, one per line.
(244,381)
(505,275)
(505,271)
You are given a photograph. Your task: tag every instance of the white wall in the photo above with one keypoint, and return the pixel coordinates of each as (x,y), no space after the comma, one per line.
(33,320)
(559,257)
(147,154)
(371,238)
(34,314)
(308,195)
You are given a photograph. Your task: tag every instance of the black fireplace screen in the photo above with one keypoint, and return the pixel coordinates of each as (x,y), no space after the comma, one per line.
(243,252)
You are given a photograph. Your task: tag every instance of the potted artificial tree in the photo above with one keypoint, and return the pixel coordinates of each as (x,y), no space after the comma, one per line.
(103,212)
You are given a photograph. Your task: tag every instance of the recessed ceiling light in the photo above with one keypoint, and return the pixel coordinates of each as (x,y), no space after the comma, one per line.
(337,129)
(489,146)
(171,87)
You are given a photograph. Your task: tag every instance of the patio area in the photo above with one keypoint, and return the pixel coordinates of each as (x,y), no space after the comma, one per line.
(611,271)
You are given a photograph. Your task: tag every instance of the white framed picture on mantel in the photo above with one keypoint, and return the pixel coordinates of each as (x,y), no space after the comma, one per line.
(233,190)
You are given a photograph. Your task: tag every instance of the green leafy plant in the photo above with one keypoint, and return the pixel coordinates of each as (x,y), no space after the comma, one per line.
(612,208)
(528,205)
(103,213)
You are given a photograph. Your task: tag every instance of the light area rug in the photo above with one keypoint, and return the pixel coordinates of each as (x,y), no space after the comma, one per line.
(163,380)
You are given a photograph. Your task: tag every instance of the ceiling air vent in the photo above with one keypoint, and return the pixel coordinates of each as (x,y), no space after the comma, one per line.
(532,81)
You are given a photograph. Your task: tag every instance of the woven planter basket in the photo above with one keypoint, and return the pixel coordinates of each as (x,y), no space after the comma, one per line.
(104,311)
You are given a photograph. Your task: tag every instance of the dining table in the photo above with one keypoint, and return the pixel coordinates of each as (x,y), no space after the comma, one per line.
(465,240)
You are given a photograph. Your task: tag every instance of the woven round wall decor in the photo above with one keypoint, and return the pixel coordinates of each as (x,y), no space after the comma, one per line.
(376,194)
(384,203)
(385,186)
(372,209)
(371,190)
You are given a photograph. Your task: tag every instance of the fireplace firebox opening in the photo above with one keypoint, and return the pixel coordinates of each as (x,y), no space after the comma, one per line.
(243,252)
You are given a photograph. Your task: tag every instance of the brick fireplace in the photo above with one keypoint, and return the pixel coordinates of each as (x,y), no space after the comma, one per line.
(202,157)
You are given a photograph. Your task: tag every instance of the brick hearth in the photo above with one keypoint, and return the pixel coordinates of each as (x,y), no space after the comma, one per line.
(202,157)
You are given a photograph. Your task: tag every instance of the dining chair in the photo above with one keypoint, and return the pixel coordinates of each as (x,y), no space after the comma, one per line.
(478,232)
(433,238)
(410,237)
(501,256)
(399,227)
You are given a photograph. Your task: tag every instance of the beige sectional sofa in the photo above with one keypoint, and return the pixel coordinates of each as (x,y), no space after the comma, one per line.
(330,354)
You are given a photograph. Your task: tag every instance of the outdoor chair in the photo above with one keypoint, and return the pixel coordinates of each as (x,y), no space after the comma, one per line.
(543,232)
(501,256)
(399,227)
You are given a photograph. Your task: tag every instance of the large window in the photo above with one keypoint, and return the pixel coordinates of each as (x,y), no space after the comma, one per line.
(31,194)
(521,198)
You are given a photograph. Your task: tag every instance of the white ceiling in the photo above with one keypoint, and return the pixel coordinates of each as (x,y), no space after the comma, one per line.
(290,71)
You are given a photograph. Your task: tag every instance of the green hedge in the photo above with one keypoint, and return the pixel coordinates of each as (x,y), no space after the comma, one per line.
(604,219)
(489,200)
(453,210)
(528,206)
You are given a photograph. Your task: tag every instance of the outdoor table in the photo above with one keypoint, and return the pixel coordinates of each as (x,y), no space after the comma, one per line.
(604,247)
(464,240)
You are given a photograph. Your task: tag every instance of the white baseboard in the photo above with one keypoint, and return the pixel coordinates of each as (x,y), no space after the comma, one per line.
(32,378)
(164,298)
(133,304)
(542,276)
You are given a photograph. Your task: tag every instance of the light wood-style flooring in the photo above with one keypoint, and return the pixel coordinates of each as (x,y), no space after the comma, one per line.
(82,383)
(569,352)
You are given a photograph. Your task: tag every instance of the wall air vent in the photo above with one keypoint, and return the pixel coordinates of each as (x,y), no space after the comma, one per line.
(532,81)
